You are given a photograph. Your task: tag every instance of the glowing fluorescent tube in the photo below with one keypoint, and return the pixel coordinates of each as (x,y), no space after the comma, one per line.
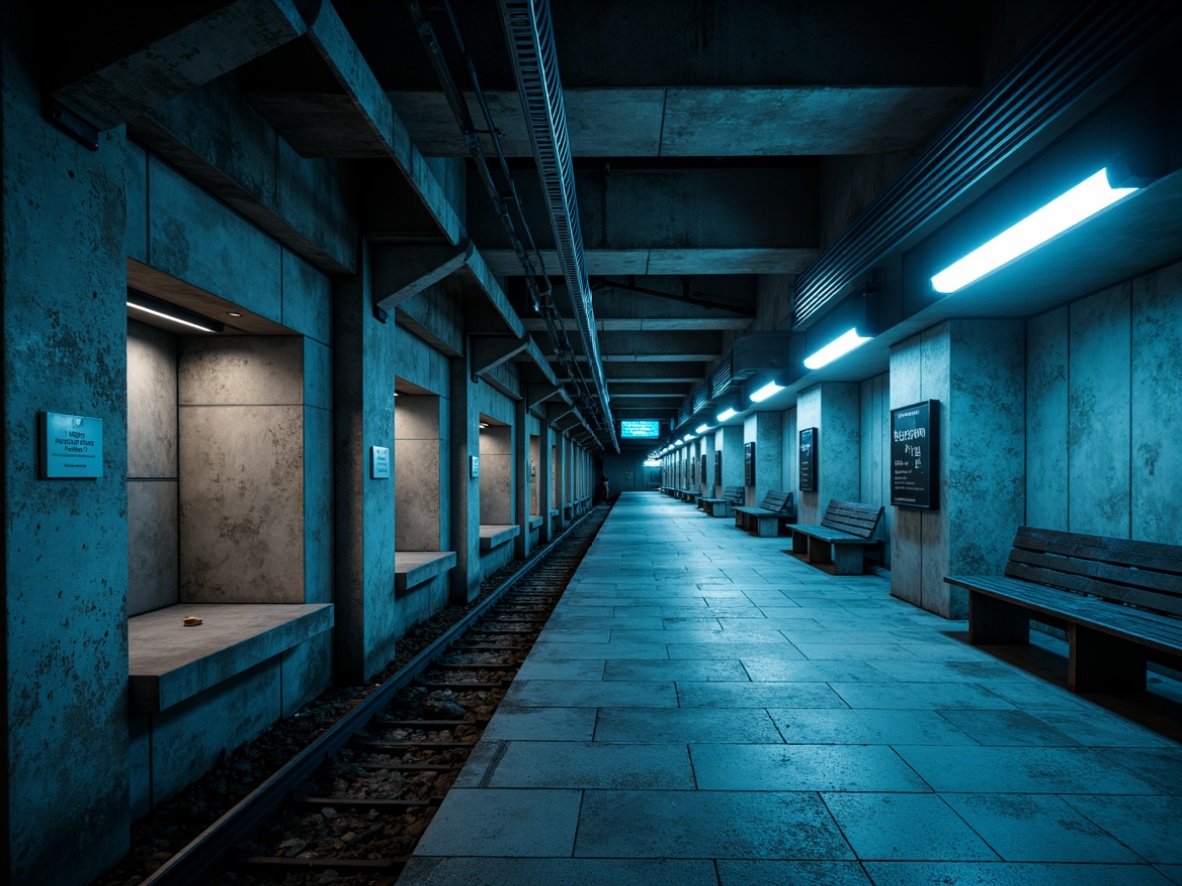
(726,414)
(701,429)
(1084,200)
(840,346)
(766,391)
(170,318)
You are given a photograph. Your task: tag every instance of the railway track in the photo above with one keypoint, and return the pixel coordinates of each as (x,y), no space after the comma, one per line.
(357,799)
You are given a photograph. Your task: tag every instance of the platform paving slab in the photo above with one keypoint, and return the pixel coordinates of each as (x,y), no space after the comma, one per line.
(706,709)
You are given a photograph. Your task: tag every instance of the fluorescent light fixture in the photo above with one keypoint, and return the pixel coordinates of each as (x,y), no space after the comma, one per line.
(154,307)
(651,463)
(678,442)
(687,438)
(701,429)
(840,346)
(766,391)
(1084,200)
(726,414)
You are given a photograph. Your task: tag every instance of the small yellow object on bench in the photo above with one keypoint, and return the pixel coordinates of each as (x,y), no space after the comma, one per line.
(191,621)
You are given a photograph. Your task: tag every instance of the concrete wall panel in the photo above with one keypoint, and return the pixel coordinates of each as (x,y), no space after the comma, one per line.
(317,364)
(136,242)
(496,475)
(1098,435)
(198,239)
(906,386)
(261,370)
(808,415)
(305,671)
(1046,420)
(242,504)
(152,580)
(416,470)
(838,468)
(307,298)
(151,402)
(1156,415)
(318,525)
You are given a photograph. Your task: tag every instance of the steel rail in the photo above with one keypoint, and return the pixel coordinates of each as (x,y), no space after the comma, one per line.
(212,844)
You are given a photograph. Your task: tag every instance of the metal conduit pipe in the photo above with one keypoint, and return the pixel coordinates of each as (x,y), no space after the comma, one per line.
(530,34)
(1070,59)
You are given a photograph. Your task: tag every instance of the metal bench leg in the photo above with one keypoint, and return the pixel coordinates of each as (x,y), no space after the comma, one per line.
(1100,662)
(800,543)
(847,559)
(992,621)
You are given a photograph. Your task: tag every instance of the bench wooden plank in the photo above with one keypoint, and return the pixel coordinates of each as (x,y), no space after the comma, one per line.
(838,543)
(777,505)
(1118,610)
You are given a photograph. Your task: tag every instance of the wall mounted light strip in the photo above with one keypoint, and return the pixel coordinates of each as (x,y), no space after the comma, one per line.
(154,307)
(701,429)
(840,346)
(726,414)
(766,391)
(1065,211)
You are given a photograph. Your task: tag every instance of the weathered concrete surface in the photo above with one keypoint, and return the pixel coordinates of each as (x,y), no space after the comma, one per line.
(63,286)
(1046,420)
(417,460)
(874,456)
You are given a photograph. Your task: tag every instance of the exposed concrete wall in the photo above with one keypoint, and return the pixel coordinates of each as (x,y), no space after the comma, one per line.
(875,450)
(790,454)
(765,430)
(1103,412)
(496,475)
(152,577)
(419,504)
(831,408)
(62,293)
(976,369)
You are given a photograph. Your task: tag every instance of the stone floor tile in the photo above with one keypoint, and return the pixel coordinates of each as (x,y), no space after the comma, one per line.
(707,824)
(541,724)
(1041,696)
(1150,826)
(1032,827)
(1171,871)
(919,696)
(682,669)
(753,767)
(980,770)
(576,669)
(566,651)
(1097,728)
(714,649)
(1004,874)
(777,669)
(887,827)
(594,765)
(589,694)
(757,695)
(550,871)
(796,873)
(1158,766)
(867,727)
(686,725)
(1007,728)
(956,671)
(494,822)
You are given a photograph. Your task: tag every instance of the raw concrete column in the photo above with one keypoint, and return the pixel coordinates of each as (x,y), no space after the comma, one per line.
(63,287)
(766,430)
(730,439)
(706,475)
(363,380)
(465,489)
(976,369)
(521,418)
(833,409)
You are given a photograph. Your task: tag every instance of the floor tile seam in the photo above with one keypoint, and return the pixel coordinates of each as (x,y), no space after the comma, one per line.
(1066,798)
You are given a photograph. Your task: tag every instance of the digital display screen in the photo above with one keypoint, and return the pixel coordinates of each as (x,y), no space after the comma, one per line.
(646,428)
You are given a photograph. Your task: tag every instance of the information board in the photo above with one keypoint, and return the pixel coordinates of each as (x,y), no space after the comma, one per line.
(808,460)
(639,429)
(718,467)
(749,464)
(915,447)
(71,446)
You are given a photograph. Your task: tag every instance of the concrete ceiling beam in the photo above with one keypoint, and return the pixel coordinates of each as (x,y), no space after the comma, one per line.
(490,351)
(400,272)
(155,57)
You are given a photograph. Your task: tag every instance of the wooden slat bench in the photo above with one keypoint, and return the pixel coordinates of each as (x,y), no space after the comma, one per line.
(721,507)
(765,520)
(1119,601)
(690,495)
(838,545)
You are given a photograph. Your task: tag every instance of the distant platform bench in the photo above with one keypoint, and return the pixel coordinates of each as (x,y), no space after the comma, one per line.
(169,663)
(690,495)
(494,535)
(765,520)
(1119,601)
(413,568)
(838,545)
(722,507)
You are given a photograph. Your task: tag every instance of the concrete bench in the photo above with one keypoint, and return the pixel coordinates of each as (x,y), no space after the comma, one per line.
(169,663)
(493,535)
(536,521)
(838,545)
(690,495)
(722,507)
(413,568)
(1119,601)
(765,520)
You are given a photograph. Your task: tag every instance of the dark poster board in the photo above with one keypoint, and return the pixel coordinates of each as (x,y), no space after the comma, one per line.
(718,467)
(915,447)
(749,464)
(808,460)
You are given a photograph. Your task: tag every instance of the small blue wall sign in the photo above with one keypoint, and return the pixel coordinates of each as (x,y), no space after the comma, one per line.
(71,446)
